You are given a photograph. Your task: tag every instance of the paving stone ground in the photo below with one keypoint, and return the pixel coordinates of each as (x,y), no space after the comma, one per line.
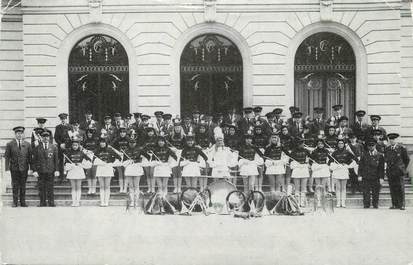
(94,235)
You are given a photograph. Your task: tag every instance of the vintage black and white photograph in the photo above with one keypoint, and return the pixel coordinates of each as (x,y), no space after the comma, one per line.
(203,132)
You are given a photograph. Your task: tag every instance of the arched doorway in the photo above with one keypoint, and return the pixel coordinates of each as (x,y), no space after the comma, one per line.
(211,75)
(98,77)
(325,74)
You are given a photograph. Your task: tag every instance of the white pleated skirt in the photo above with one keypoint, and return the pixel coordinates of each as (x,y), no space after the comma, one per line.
(300,172)
(192,169)
(162,170)
(104,171)
(321,171)
(133,170)
(275,170)
(220,172)
(77,172)
(340,173)
(249,169)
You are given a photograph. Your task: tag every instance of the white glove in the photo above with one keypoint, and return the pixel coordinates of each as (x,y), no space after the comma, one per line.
(294,165)
(269,162)
(242,162)
(35,174)
(334,166)
(56,173)
(184,163)
(63,146)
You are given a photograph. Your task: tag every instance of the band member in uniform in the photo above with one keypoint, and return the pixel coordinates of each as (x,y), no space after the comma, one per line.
(397,160)
(375,125)
(300,169)
(149,143)
(309,144)
(167,123)
(287,144)
(121,144)
(162,170)
(36,137)
(75,132)
(380,143)
(133,168)
(343,128)
(190,162)
(61,137)
(318,126)
(128,122)
(278,121)
(18,157)
(250,157)
(359,127)
(158,124)
(371,174)
(341,161)
(292,110)
(246,123)
(319,164)
(260,140)
(108,131)
(187,126)
(232,116)
(357,149)
(258,119)
(196,118)
(104,157)
(89,123)
(337,113)
(75,172)
(275,161)
(117,120)
(297,126)
(204,140)
(176,142)
(45,168)
(90,144)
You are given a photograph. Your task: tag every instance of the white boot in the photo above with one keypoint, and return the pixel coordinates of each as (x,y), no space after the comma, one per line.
(338,198)
(102,197)
(107,197)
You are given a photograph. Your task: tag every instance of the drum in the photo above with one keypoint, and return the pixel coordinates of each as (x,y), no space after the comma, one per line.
(219,190)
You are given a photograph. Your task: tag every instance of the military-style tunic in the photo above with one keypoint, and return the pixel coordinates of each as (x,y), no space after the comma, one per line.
(121,143)
(176,142)
(203,139)
(76,157)
(189,158)
(319,166)
(300,155)
(89,144)
(343,157)
(371,169)
(273,154)
(232,141)
(162,154)
(260,140)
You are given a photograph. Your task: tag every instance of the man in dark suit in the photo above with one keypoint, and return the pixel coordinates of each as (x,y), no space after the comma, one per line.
(36,134)
(61,136)
(371,173)
(359,126)
(45,168)
(246,123)
(318,126)
(375,125)
(89,123)
(297,126)
(18,158)
(397,161)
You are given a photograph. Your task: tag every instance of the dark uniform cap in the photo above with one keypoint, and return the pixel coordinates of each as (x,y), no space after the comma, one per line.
(219,114)
(340,140)
(158,113)
(107,117)
(102,140)
(117,114)
(331,126)
(247,110)
(270,114)
(45,133)
(257,109)
(375,117)
(294,109)
(277,111)
(342,118)
(41,120)
(122,129)
(393,135)
(352,135)
(377,132)
(167,116)
(75,140)
(145,117)
(137,114)
(248,136)
(18,129)
(232,126)
(129,115)
(148,129)
(189,137)
(360,113)
(318,110)
(88,112)
(63,115)
(74,122)
(196,112)
(176,121)
(132,141)
(337,107)
(318,140)
(297,114)
(371,142)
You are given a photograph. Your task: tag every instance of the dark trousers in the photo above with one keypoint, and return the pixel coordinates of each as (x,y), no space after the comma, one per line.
(397,193)
(371,190)
(18,182)
(61,164)
(354,184)
(46,181)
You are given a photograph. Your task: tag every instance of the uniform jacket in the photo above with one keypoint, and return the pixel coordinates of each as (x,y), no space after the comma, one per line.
(61,135)
(370,128)
(317,126)
(45,160)
(320,155)
(371,166)
(359,128)
(18,159)
(36,137)
(397,161)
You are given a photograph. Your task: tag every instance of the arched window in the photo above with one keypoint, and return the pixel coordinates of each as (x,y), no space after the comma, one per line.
(98,77)
(211,75)
(325,71)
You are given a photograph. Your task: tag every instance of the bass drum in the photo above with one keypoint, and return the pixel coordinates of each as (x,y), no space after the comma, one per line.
(219,190)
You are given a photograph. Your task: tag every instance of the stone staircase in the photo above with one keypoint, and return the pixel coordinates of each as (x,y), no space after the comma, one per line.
(63,194)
